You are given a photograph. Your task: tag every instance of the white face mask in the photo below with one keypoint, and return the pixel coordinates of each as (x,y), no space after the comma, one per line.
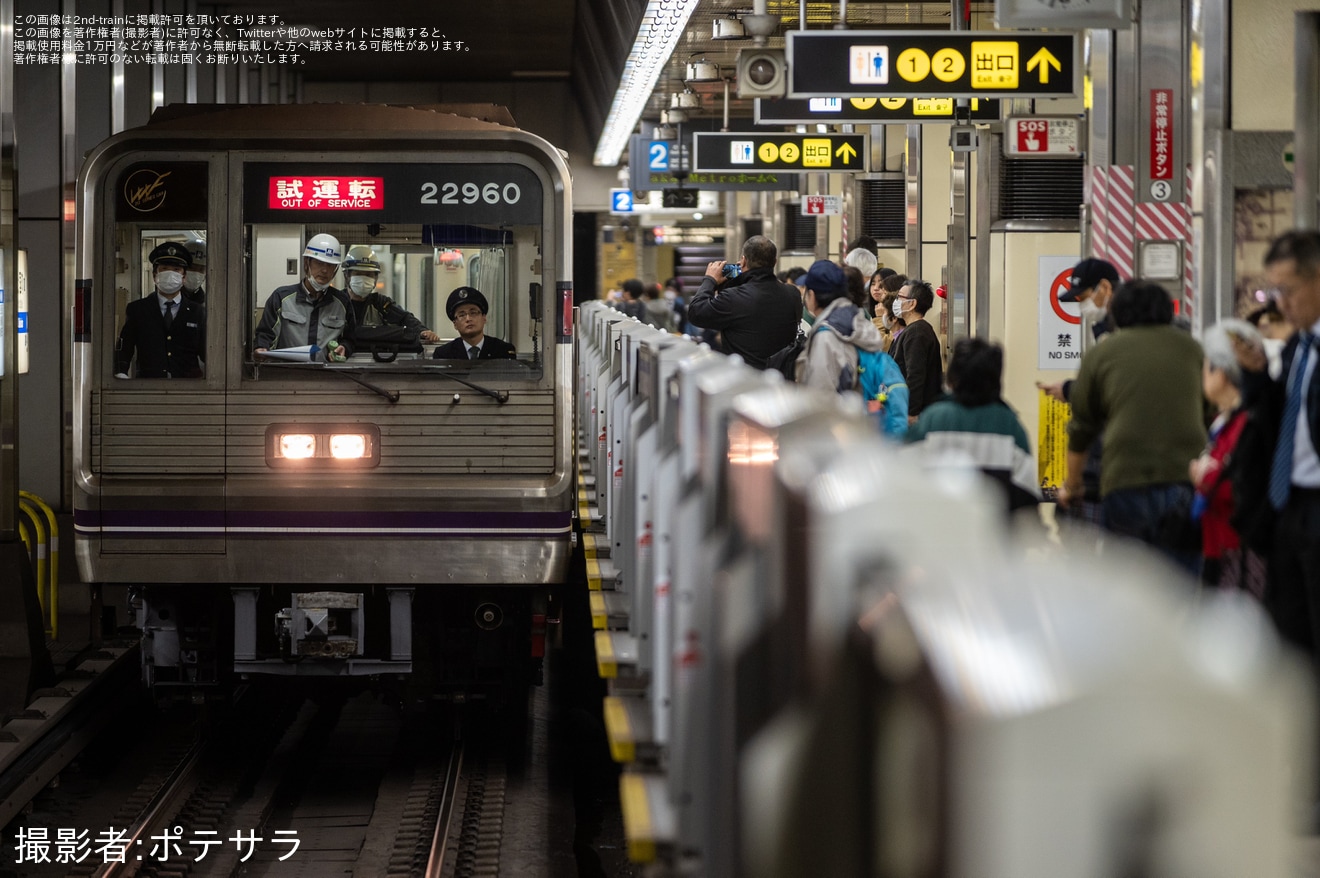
(361,285)
(1091,311)
(192,281)
(898,308)
(316,285)
(168,282)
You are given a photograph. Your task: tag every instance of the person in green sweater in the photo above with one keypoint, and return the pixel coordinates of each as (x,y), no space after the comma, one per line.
(975,421)
(1141,392)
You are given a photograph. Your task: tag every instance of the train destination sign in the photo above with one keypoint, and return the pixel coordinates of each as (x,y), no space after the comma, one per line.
(831,153)
(874,110)
(298,191)
(922,64)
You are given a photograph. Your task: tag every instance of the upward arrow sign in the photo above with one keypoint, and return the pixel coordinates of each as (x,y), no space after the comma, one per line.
(846,152)
(1044,59)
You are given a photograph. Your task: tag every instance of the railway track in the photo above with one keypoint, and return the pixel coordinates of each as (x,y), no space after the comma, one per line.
(281,787)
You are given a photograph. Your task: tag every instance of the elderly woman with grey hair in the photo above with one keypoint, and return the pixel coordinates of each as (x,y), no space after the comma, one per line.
(1227,563)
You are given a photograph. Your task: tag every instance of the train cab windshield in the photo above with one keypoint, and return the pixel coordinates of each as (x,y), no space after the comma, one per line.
(404,292)
(402,266)
(367,265)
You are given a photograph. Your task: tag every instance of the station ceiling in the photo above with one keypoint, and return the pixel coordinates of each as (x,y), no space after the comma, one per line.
(582,42)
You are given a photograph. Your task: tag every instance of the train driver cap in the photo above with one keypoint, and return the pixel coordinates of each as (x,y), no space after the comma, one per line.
(1086,275)
(171,253)
(466,296)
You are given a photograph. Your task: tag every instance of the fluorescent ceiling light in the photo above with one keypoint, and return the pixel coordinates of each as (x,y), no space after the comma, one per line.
(663,24)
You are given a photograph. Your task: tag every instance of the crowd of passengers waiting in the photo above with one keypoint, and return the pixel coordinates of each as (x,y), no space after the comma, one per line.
(1206,451)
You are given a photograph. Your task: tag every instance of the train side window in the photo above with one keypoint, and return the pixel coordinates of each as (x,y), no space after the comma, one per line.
(160,318)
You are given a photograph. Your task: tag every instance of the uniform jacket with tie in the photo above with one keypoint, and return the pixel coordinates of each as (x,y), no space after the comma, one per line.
(1264,399)
(491,349)
(176,352)
(1268,396)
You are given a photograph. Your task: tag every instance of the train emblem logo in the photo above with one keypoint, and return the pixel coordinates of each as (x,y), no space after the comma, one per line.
(144,190)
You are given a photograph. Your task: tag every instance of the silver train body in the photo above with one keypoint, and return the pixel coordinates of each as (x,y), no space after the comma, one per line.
(828,655)
(435,541)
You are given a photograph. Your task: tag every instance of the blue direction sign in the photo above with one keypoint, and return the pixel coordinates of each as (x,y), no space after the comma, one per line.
(641,152)
(812,111)
(830,153)
(926,64)
(621,201)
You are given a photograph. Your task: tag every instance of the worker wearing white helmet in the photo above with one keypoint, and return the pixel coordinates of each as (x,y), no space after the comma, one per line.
(310,312)
(372,308)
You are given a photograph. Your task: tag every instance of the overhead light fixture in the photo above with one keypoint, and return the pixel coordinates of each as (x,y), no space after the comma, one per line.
(662,26)
(728,29)
(686,99)
(702,70)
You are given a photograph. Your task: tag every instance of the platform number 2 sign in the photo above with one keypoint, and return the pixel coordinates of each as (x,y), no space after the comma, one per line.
(659,155)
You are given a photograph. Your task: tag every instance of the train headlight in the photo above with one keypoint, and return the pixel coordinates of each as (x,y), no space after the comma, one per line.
(348,446)
(308,446)
(297,446)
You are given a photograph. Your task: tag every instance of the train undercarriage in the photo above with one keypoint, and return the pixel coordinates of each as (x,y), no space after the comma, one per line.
(459,643)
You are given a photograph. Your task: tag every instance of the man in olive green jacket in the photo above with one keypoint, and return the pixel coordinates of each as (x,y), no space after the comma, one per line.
(1140,391)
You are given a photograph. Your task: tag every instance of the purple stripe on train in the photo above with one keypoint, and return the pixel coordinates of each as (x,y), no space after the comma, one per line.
(170,523)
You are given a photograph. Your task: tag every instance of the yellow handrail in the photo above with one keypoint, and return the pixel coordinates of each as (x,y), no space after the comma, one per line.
(40,514)
(39,526)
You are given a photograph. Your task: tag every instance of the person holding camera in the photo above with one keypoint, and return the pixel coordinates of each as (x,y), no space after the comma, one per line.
(755,313)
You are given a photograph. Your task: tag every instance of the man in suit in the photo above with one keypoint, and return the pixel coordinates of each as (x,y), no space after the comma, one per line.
(164,331)
(468,308)
(1292,403)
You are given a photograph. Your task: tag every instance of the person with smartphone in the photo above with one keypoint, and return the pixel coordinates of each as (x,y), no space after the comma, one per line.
(755,313)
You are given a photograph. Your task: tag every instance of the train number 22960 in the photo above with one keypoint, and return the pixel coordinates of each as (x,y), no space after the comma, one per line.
(470,193)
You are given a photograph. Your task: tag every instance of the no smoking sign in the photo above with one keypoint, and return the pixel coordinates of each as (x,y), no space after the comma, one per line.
(1060,326)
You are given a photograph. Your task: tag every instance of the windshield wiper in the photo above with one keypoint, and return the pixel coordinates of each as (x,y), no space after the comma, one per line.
(500,396)
(389,395)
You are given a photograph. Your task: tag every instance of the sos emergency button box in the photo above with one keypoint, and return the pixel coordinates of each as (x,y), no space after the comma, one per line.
(1043,136)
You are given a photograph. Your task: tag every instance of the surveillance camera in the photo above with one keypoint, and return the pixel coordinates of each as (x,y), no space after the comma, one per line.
(762,73)
(962,138)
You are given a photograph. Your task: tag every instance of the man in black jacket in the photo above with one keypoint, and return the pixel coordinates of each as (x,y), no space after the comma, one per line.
(917,348)
(756,315)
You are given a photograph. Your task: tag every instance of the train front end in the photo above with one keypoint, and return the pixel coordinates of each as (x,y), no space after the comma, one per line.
(388,516)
